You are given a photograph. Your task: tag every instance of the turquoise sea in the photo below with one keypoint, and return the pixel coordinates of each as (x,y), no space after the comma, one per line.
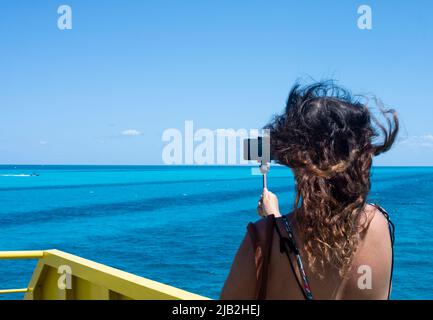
(182,225)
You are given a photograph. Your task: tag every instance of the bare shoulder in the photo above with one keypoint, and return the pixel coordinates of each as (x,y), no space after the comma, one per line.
(373,256)
(260,227)
(374,224)
(260,223)
(375,247)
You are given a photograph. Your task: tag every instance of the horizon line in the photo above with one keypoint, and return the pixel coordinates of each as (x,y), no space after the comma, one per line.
(189,165)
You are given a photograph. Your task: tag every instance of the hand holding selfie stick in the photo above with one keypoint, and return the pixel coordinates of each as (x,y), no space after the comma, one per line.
(259,150)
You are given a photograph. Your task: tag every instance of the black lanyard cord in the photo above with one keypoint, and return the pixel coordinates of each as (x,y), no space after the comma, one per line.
(287,245)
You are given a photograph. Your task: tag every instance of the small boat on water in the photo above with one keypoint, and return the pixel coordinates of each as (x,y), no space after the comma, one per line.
(62,276)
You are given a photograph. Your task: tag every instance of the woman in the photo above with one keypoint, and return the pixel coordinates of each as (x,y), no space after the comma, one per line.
(334,245)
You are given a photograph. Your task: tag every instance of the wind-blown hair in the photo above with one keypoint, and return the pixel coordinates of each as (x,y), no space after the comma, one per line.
(329,139)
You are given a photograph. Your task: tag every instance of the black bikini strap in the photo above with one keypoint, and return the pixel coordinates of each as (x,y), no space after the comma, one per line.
(391,228)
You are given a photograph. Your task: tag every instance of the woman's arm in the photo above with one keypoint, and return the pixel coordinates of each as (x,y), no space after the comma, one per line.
(241,281)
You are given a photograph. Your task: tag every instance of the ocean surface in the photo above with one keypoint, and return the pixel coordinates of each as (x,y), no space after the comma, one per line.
(182,225)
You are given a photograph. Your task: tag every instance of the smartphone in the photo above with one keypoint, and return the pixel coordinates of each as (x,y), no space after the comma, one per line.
(258,149)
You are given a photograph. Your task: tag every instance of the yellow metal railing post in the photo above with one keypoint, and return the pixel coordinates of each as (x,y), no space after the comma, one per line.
(13,255)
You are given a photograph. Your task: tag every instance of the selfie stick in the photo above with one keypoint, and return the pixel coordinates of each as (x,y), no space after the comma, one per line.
(264,169)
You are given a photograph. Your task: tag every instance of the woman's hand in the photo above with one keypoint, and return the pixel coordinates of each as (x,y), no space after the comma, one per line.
(268,204)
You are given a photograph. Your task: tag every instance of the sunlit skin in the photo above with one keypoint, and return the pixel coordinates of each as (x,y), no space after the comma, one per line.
(374,250)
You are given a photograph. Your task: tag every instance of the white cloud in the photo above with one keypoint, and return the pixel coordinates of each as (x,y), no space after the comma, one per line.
(43,142)
(420,141)
(130,133)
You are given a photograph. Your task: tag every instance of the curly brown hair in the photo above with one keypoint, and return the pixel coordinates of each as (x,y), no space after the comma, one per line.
(329,139)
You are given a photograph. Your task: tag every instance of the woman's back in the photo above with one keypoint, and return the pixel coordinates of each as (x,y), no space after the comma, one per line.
(373,257)
(368,277)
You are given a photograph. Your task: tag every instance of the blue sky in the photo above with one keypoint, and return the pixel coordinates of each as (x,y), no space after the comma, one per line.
(144,66)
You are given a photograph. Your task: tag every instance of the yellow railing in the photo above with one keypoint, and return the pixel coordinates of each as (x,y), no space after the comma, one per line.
(32,254)
(9,255)
(60,275)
